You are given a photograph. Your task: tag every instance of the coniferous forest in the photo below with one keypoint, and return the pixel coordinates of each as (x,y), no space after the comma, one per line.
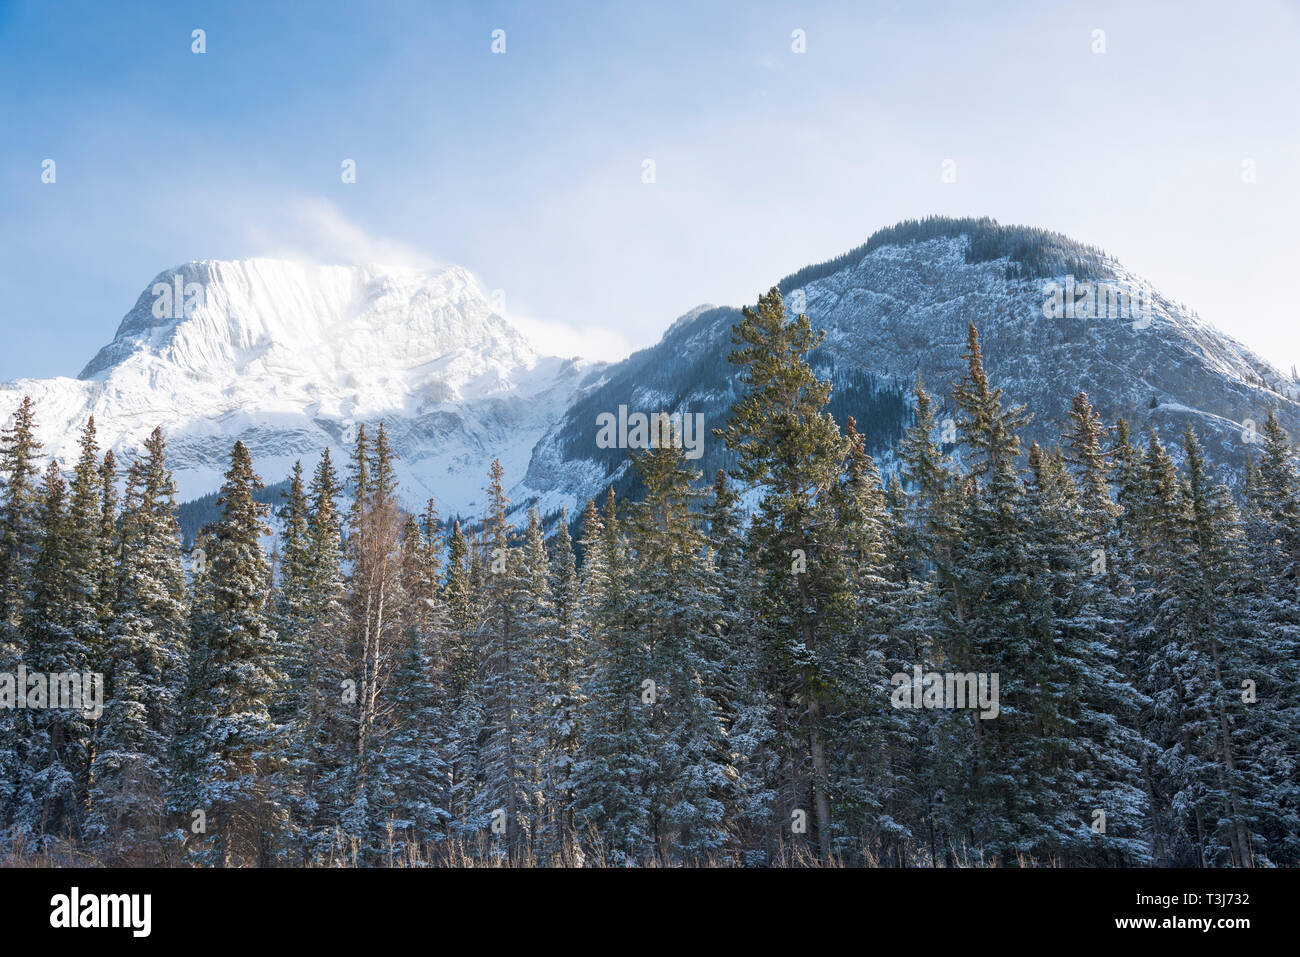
(705,675)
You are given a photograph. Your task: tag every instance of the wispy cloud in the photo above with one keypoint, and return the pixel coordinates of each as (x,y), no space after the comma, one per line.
(564,339)
(316,230)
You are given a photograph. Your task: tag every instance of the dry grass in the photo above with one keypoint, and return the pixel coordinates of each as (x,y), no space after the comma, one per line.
(482,850)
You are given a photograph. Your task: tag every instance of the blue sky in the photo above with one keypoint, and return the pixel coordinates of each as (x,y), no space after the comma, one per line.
(527,167)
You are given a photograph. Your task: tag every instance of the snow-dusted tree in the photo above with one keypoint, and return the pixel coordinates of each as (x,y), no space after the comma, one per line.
(295,614)
(746,703)
(560,655)
(54,738)
(145,662)
(790,448)
(674,623)
(364,651)
(410,774)
(1225,650)
(229,749)
(506,682)
(1273,533)
(319,743)
(873,743)
(109,542)
(63,636)
(1086,748)
(617,752)
(993,628)
(19,541)
(925,614)
(461,593)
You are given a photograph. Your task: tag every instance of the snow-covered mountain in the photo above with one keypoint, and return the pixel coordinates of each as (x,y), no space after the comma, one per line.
(899,305)
(290,358)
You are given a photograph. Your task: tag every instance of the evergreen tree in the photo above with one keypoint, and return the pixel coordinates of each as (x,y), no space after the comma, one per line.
(318,750)
(787,445)
(617,760)
(229,749)
(1272,528)
(411,775)
(676,622)
(55,737)
(461,682)
(506,680)
(1092,804)
(146,663)
(367,648)
(109,545)
(560,655)
(872,741)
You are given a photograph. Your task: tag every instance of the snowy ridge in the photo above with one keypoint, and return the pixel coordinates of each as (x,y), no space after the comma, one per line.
(291,357)
(901,311)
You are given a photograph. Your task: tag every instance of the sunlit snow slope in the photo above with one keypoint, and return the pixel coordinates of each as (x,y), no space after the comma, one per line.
(291,357)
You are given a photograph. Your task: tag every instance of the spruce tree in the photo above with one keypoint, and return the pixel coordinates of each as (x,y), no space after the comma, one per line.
(55,737)
(561,655)
(411,774)
(229,748)
(676,621)
(506,680)
(789,447)
(617,762)
(147,664)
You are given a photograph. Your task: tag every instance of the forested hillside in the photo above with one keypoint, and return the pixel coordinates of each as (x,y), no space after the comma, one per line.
(1075,653)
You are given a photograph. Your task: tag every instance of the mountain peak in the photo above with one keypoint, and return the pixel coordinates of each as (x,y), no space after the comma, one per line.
(216,317)
(290,357)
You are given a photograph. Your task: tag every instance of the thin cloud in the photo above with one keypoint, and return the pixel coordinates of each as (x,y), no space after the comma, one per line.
(315,230)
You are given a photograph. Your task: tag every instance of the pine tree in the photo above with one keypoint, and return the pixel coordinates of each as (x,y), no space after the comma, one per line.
(746,706)
(1273,532)
(1092,805)
(506,680)
(19,540)
(229,748)
(616,766)
(411,774)
(318,750)
(873,743)
(109,545)
(994,631)
(19,521)
(789,446)
(926,612)
(461,682)
(146,663)
(561,655)
(676,618)
(294,615)
(1227,652)
(55,736)
(294,591)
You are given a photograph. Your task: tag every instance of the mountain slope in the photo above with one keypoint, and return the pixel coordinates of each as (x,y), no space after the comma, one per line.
(899,306)
(290,358)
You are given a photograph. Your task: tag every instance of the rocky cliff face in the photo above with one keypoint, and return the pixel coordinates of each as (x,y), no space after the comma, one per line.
(899,309)
(290,358)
